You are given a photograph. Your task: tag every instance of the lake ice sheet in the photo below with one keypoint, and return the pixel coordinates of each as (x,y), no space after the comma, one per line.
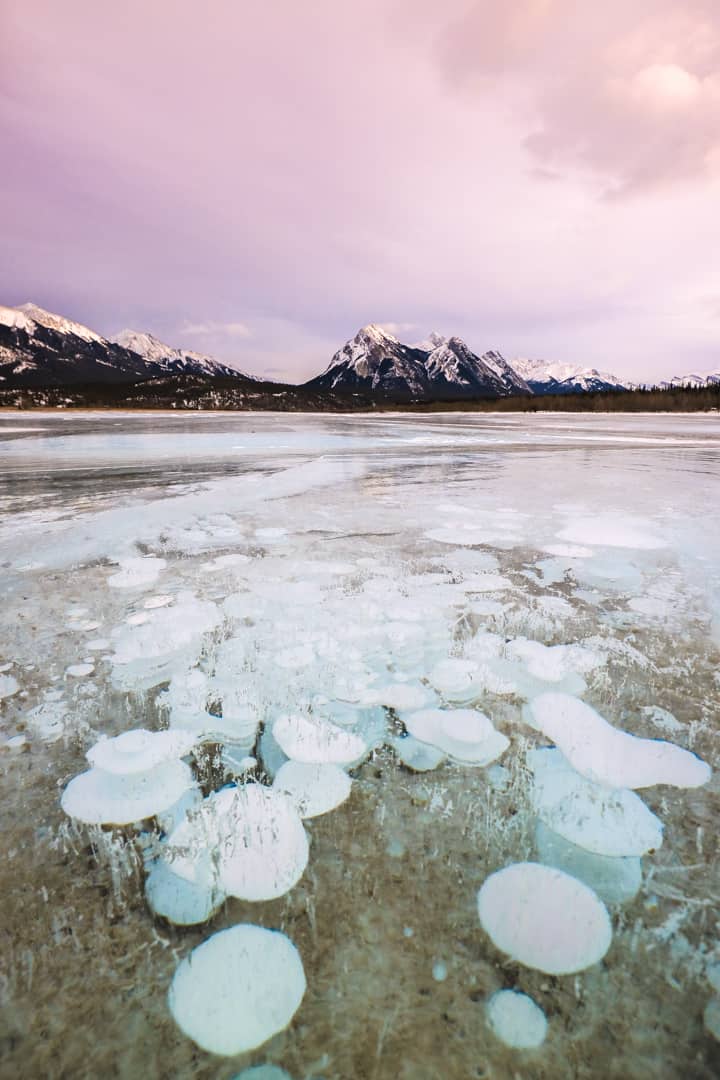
(219,572)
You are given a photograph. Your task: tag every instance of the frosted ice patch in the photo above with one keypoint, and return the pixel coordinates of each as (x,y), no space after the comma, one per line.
(465,735)
(399,696)
(607,755)
(270,534)
(249,840)
(516,1020)
(612,531)
(600,819)
(237,989)
(98,644)
(314,789)
(544,918)
(314,740)
(455,679)
(134,573)
(97,797)
(616,880)
(661,718)
(458,534)
(8,686)
(139,750)
(568,551)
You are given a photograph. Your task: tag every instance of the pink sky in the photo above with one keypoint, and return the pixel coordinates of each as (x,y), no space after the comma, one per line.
(259,180)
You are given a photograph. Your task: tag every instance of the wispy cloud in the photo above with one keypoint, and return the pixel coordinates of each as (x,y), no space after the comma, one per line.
(215,329)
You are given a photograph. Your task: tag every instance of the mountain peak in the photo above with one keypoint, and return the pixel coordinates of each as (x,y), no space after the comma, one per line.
(51,321)
(374,333)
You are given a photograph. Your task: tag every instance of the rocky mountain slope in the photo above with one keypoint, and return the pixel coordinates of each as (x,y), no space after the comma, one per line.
(445,369)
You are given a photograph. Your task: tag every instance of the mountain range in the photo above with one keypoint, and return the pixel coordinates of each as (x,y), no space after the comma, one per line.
(41,349)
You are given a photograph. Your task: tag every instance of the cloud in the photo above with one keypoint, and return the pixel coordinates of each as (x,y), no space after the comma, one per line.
(214,329)
(627,91)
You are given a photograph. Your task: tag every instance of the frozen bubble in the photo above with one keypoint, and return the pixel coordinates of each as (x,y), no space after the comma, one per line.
(139,750)
(100,798)
(137,618)
(181,902)
(711,1017)
(157,602)
(8,686)
(616,880)
(439,971)
(16,742)
(135,573)
(315,789)
(516,1020)
(263,1072)
(417,755)
(608,755)
(600,819)
(97,644)
(465,735)
(544,918)
(79,671)
(249,839)
(553,663)
(314,740)
(237,989)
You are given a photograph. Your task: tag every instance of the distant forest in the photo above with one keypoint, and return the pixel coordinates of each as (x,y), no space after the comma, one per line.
(183,392)
(675,399)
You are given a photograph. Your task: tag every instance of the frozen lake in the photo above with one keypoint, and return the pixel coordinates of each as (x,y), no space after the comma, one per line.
(267,583)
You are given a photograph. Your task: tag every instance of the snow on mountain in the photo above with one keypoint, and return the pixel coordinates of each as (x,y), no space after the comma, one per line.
(544,377)
(709,378)
(376,361)
(452,368)
(439,368)
(57,322)
(40,348)
(171,359)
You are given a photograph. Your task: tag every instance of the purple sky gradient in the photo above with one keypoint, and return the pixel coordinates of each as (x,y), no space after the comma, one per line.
(259,180)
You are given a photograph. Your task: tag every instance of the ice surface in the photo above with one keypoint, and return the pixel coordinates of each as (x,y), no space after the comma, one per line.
(298,580)
(315,789)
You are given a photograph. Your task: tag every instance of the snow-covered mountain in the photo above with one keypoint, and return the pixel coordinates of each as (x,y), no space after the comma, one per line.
(545,377)
(40,348)
(709,378)
(173,360)
(437,369)
(377,362)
